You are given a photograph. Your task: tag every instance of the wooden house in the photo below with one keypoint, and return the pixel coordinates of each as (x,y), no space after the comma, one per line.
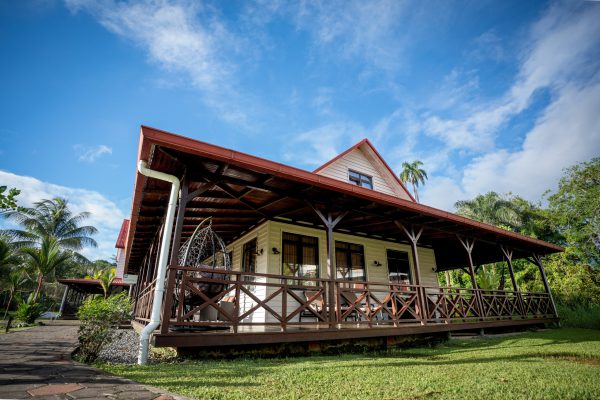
(340,253)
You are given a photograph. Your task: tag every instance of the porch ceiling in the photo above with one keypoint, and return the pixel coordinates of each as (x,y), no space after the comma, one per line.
(240,191)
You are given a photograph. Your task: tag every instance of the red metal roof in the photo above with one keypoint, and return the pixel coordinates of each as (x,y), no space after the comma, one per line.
(121,240)
(151,138)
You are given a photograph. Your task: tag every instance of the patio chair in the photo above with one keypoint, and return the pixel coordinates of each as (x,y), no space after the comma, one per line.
(315,307)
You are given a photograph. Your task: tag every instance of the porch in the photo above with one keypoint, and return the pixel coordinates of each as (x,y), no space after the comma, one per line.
(297,309)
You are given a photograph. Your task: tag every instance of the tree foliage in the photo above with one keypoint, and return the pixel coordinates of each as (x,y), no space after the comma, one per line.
(413,173)
(105,277)
(50,237)
(8,200)
(575,212)
(52,218)
(571,220)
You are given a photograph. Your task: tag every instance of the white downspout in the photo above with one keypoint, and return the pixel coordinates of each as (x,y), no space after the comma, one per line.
(159,289)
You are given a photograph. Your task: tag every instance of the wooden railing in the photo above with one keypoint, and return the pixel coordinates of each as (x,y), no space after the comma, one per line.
(199,299)
(143,305)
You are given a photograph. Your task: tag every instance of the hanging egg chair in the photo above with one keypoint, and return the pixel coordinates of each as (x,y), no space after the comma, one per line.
(206,250)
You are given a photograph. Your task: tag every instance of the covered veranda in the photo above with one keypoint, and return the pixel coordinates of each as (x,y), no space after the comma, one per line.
(239,192)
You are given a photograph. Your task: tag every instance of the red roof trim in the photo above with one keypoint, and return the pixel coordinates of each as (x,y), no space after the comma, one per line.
(66,281)
(334,159)
(357,146)
(151,137)
(122,235)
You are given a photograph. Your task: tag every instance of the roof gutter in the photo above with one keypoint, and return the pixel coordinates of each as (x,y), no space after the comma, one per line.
(159,289)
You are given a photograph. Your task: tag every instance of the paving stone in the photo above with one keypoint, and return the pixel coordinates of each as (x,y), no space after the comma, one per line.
(38,360)
(55,389)
(140,395)
(18,387)
(91,393)
(14,395)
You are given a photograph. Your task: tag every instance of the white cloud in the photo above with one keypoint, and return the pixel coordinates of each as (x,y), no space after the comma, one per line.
(358,29)
(105,215)
(562,56)
(319,145)
(568,132)
(91,153)
(563,47)
(183,37)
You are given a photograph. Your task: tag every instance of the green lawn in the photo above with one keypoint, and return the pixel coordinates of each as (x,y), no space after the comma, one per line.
(555,364)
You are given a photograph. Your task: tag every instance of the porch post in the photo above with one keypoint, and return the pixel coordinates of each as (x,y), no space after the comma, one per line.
(508,254)
(468,244)
(537,260)
(168,302)
(64,300)
(330,223)
(413,237)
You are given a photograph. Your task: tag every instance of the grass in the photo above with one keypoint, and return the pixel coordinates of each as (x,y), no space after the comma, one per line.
(580,316)
(555,364)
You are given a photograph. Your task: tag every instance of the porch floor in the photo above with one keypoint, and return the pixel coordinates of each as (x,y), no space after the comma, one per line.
(264,334)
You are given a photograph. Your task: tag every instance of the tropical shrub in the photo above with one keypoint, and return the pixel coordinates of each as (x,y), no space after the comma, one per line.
(29,311)
(98,317)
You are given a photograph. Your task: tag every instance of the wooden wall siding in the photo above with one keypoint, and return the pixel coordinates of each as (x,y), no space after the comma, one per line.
(385,173)
(357,161)
(427,258)
(369,164)
(375,250)
(261,234)
(120,263)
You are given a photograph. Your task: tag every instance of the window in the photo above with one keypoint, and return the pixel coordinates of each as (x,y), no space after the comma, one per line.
(350,261)
(300,256)
(398,266)
(249,257)
(360,179)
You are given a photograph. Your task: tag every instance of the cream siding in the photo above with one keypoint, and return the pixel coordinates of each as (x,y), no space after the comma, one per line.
(269,236)
(357,161)
(366,161)
(261,234)
(374,250)
(120,263)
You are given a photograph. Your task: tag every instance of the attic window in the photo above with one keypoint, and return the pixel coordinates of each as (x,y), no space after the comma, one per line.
(360,180)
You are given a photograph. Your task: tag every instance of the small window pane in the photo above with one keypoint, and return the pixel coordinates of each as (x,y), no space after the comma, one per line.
(360,179)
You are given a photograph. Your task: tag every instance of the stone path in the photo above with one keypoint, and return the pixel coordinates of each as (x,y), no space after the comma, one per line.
(36,363)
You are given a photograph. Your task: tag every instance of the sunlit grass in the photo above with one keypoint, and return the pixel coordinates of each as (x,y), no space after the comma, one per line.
(556,364)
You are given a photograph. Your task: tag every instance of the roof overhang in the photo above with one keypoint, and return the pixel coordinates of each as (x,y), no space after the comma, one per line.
(89,285)
(239,191)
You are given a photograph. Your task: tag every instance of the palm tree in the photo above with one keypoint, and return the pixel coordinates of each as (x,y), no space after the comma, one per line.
(8,256)
(490,208)
(105,278)
(51,236)
(45,260)
(413,173)
(16,279)
(52,219)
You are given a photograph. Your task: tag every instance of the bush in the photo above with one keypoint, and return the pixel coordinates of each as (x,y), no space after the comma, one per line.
(98,316)
(579,316)
(29,311)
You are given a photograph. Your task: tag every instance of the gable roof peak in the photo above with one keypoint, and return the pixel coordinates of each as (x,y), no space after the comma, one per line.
(388,170)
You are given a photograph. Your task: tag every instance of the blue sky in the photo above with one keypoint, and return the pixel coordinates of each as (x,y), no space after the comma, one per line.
(490,95)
